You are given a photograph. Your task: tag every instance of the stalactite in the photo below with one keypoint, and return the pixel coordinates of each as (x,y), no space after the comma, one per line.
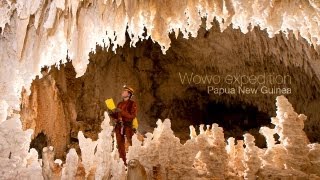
(39,33)
(68,25)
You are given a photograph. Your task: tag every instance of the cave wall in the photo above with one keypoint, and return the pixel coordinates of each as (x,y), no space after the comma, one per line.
(79,102)
(49,111)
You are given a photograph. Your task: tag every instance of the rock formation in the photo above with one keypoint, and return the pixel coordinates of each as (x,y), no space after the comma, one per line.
(47,111)
(39,33)
(17,160)
(205,155)
(42,33)
(210,156)
(252,161)
(79,102)
(69,170)
(50,169)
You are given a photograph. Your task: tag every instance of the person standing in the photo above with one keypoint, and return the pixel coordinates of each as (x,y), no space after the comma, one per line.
(123,116)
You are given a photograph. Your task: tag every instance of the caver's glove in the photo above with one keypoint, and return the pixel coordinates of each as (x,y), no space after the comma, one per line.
(117,110)
(110,112)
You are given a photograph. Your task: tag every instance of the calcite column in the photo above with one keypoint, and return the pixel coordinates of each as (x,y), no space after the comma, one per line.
(289,127)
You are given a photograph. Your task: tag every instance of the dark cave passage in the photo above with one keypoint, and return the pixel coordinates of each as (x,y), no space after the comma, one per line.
(39,143)
(236,118)
(230,117)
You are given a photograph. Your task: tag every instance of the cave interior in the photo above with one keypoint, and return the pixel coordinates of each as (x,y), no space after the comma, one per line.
(78,103)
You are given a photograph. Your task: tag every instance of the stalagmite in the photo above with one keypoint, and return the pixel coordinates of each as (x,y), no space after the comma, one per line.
(231,154)
(289,127)
(43,33)
(99,158)
(33,169)
(69,169)
(107,159)
(193,133)
(87,147)
(50,169)
(252,161)
(239,159)
(290,156)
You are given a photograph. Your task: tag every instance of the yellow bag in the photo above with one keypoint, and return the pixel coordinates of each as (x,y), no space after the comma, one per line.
(110,104)
(135,123)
